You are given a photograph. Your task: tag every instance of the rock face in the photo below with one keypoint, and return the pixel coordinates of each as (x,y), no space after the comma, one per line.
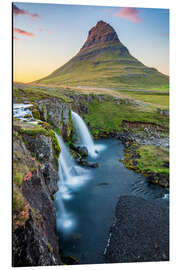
(100,34)
(141,232)
(35,240)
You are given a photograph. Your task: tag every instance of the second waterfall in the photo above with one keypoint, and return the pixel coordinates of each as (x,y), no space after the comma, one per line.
(84,135)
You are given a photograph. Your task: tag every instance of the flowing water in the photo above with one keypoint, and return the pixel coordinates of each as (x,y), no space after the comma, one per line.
(85,218)
(23,113)
(84,135)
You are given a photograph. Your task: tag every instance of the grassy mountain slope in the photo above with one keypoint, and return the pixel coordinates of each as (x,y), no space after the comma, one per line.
(106,67)
(104,61)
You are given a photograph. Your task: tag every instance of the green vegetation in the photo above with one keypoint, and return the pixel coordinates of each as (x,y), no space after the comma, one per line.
(107,68)
(20,209)
(163,88)
(18,178)
(55,144)
(33,93)
(50,248)
(108,116)
(18,201)
(153,159)
(19,167)
(160,98)
(36,113)
(32,129)
(58,131)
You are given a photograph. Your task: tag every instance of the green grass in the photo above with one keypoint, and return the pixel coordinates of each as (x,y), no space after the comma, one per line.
(106,69)
(107,116)
(32,129)
(55,144)
(152,159)
(163,88)
(155,98)
(18,201)
(33,93)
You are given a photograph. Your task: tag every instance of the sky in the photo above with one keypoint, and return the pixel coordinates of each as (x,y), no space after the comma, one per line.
(46,36)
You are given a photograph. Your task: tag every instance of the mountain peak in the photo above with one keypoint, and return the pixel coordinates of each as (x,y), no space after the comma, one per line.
(102,33)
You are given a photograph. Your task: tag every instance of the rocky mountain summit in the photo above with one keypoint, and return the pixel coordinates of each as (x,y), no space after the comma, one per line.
(101,34)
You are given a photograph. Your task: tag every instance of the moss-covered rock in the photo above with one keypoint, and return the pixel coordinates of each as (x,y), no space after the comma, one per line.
(20,209)
(56,147)
(149,160)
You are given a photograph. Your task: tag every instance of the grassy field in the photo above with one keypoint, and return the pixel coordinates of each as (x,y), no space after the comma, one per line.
(108,117)
(152,159)
(155,97)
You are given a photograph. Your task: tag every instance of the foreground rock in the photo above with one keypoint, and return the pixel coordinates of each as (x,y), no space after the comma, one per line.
(141,232)
(35,176)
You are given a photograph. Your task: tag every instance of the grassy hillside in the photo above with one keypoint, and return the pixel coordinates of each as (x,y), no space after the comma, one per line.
(106,67)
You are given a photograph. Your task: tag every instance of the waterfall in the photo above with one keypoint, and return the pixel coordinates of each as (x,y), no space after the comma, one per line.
(71,176)
(83,133)
(85,136)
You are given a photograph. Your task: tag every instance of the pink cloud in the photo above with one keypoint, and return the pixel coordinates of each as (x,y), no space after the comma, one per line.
(129,13)
(18,11)
(15,38)
(23,32)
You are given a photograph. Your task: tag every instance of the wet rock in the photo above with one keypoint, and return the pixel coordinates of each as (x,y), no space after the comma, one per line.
(82,150)
(103,184)
(85,163)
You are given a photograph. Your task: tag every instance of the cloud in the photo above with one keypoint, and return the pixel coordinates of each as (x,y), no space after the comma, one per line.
(23,32)
(18,11)
(15,38)
(129,13)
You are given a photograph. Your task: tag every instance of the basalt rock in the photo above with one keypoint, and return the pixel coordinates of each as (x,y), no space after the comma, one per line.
(35,239)
(100,34)
(140,233)
(88,164)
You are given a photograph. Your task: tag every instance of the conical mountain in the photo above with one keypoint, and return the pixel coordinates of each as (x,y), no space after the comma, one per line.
(103,61)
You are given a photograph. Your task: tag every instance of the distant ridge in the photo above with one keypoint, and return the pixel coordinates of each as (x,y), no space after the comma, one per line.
(104,61)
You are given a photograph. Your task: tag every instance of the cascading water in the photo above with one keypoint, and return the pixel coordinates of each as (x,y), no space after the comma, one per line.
(85,136)
(71,177)
(21,110)
(23,113)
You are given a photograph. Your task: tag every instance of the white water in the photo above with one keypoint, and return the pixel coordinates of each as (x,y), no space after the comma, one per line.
(71,177)
(85,136)
(20,110)
(23,113)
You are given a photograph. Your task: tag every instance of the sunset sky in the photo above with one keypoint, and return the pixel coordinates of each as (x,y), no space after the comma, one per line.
(45,36)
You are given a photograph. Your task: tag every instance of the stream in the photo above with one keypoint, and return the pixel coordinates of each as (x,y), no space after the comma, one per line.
(90,206)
